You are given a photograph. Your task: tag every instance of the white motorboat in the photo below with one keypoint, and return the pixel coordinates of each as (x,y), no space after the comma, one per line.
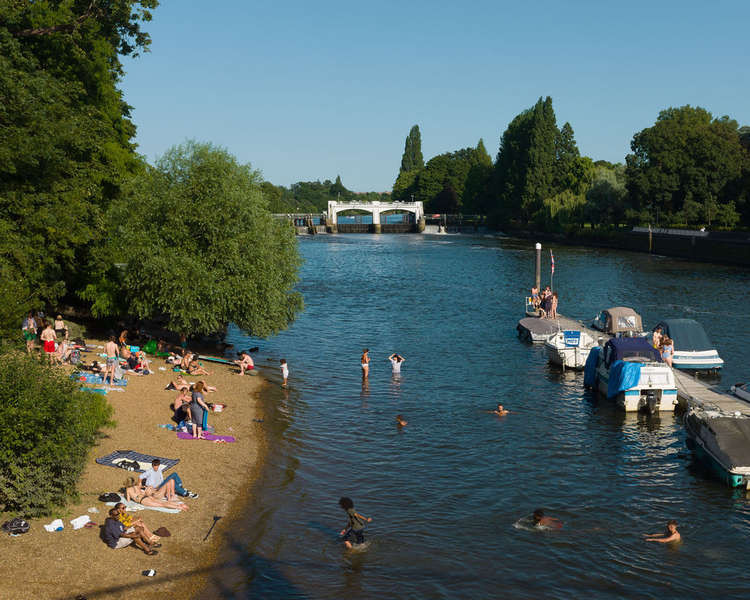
(630,371)
(569,348)
(692,348)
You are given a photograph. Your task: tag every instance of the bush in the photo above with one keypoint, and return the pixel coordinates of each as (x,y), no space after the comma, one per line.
(48,425)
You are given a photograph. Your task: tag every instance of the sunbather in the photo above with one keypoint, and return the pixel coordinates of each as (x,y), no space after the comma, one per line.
(136,523)
(150,497)
(195,368)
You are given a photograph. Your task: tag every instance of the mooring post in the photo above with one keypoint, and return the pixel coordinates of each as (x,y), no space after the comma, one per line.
(538,266)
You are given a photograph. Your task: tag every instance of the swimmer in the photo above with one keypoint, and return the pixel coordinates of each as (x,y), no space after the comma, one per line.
(670,535)
(400,421)
(546,522)
(500,411)
(365,363)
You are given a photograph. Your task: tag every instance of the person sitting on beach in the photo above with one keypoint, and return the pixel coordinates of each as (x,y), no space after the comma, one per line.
(543,522)
(245,363)
(63,352)
(400,421)
(117,536)
(181,407)
(149,497)
(185,361)
(396,360)
(670,535)
(195,368)
(136,524)
(667,350)
(178,383)
(171,485)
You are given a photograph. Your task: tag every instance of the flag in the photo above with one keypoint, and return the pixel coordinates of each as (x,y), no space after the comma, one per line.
(552,258)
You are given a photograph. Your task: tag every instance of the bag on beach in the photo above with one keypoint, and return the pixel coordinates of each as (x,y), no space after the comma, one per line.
(109,497)
(16,526)
(129,465)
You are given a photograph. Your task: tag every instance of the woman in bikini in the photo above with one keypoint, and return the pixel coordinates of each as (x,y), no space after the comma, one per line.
(365,362)
(155,498)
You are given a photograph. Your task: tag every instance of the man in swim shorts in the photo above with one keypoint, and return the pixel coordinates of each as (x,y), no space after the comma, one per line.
(48,338)
(113,352)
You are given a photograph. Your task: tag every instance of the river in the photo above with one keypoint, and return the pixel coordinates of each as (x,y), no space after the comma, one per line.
(450,492)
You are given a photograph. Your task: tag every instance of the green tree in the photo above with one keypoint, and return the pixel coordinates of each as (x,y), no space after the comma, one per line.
(688,165)
(196,246)
(606,198)
(475,195)
(412,159)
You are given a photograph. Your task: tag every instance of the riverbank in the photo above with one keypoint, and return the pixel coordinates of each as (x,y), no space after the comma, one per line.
(69,564)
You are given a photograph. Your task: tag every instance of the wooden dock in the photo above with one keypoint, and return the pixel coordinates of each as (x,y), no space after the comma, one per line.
(696,393)
(535,330)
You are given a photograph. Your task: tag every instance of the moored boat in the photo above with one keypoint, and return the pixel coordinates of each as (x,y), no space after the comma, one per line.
(619,321)
(722,442)
(741,390)
(692,348)
(630,372)
(569,348)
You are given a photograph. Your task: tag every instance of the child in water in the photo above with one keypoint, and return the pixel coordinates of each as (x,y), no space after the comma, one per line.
(543,522)
(284,371)
(670,535)
(355,528)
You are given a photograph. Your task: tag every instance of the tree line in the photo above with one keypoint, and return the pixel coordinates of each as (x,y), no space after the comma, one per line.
(689,169)
(313,196)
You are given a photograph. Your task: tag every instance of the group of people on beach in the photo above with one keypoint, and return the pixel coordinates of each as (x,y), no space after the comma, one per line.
(545,303)
(53,336)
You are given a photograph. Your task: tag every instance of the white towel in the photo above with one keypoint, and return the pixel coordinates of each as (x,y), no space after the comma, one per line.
(79,522)
(55,525)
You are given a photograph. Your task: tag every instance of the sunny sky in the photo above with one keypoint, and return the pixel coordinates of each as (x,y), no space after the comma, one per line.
(305,91)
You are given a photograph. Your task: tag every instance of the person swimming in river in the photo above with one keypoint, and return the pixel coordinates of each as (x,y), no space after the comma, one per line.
(400,421)
(500,411)
(543,522)
(365,363)
(354,532)
(670,535)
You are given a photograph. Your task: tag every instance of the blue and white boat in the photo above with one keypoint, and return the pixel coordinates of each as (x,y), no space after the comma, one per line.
(692,348)
(569,348)
(630,372)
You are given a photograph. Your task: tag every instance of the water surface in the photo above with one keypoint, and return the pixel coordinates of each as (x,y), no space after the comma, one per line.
(445,492)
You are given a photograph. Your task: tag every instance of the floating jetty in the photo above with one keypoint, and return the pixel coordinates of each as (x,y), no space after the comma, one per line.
(698,394)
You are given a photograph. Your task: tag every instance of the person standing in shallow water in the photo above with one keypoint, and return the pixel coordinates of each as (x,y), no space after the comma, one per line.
(396,360)
(354,532)
(670,535)
(365,363)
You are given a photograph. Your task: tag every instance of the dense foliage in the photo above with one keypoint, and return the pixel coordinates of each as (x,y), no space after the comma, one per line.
(688,169)
(313,196)
(193,243)
(48,426)
(412,162)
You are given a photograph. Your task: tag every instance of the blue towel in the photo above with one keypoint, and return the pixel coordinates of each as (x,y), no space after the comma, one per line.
(622,376)
(589,371)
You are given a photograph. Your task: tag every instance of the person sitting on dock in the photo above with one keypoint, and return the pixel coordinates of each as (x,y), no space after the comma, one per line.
(670,535)
(667,350)
(656,338)
(245,363)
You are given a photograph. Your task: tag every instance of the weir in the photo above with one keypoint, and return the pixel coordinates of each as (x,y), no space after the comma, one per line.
(379,211)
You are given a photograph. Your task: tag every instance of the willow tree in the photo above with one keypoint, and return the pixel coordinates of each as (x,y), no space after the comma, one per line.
(195,246)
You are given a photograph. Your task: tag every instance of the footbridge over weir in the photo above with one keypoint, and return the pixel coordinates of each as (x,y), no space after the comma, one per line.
(413,219)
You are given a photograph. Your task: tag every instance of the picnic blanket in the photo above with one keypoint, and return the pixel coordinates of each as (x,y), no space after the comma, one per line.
(143,460)
(101,391)
(133,506)
(209,437)
(93,378)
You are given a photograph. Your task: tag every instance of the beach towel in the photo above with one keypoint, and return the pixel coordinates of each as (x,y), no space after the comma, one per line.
(209,437)
(92,378)
(133,506)
(144,460)
(79,522)
(56,525)
(101,391)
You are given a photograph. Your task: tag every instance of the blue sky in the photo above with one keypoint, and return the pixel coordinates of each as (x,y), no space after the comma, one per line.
(309,90)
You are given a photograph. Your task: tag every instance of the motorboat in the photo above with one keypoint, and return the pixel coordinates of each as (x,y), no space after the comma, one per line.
(630,371)
(692,348)
(569,348)
(722,442)
(619,321)
(741,390)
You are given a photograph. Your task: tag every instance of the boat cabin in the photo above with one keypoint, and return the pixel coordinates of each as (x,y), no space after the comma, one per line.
(619,320)
(631,349)
(692,348)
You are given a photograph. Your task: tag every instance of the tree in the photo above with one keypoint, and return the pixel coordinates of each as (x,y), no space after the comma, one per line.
(606,198)
(412,159)
(338,189)
(66,136)
(475,196)
(687,165)
(200,248)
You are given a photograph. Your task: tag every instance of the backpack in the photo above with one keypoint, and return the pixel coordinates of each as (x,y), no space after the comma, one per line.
(75,357)
(16,526)
(129,465)
(109,497)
